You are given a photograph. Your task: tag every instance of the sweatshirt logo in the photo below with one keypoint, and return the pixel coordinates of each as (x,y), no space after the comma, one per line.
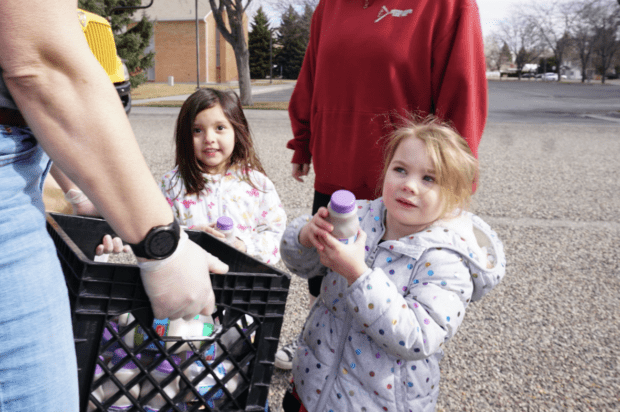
(384,12)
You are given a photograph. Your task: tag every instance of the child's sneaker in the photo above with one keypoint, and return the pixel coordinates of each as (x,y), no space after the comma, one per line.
(285,355)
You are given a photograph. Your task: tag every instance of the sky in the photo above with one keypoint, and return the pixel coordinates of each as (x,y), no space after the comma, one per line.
(492,12)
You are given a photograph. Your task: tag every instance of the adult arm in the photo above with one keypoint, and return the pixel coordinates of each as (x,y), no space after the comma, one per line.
(459,76)
(300,104)
(73,110)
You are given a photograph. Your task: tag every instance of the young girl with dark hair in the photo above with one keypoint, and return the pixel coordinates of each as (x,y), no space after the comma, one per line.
(217,173)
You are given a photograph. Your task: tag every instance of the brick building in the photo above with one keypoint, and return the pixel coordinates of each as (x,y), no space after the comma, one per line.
(174,43)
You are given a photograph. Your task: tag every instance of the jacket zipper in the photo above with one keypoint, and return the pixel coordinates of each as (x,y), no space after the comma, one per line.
(366,3)
(219,199)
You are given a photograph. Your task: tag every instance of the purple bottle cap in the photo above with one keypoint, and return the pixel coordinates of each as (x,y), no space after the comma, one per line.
(106,332)
(119,355)
(166,367)
(342,201)
(224,223)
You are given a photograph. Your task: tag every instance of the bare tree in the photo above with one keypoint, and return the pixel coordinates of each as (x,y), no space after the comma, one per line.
(553,21)
(606,24)
(235,35)
(583,33)
(521,36)
(492,53)
(281,6)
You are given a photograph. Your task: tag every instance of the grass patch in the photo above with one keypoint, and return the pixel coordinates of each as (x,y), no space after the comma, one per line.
(268,106)
(163,103)
(256,106)
(153,90)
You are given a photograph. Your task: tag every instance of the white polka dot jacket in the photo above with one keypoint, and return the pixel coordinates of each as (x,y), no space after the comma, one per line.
(376,345)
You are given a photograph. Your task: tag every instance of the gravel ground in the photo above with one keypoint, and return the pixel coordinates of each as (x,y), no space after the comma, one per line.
(547,338)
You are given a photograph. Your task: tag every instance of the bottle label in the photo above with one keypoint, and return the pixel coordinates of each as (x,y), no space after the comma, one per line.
(348,240)
(161,328)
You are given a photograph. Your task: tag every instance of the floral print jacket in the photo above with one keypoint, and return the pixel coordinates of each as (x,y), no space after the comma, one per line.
(258,214)
(376,345)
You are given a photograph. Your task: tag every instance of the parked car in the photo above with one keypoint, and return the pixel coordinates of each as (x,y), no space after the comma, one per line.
(527,75)
(550,76)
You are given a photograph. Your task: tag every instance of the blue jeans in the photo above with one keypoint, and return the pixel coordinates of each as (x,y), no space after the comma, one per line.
(38,369)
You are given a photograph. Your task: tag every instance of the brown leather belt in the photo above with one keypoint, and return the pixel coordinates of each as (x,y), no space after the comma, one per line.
(10,117)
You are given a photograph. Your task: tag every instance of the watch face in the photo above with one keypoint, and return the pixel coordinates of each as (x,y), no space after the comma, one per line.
(162,244)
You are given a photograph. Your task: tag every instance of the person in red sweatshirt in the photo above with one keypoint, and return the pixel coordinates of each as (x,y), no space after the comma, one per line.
(368,63)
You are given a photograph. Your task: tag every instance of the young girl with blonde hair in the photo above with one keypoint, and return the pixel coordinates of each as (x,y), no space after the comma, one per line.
(389,301)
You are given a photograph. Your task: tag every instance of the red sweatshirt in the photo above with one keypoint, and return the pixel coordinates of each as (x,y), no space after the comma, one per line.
(370,59)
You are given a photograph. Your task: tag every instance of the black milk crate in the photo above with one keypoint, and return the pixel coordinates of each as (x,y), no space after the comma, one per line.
(250,299)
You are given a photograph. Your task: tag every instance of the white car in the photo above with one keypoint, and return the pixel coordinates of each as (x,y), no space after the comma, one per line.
(550,76)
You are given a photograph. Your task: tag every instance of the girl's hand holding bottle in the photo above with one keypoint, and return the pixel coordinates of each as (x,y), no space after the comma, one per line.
(310,234)
(210,229)
(213,231)
(348,260)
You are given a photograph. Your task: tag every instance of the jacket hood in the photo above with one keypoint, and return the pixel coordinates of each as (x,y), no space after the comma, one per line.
(484,250)
(466,234)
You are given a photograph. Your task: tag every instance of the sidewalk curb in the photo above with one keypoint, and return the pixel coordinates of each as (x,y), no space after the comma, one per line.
(256,90)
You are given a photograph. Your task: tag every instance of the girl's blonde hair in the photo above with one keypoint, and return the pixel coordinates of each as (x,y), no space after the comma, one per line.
(456,167)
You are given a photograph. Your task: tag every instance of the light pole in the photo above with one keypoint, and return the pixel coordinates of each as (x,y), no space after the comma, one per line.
(197,51)
(271,57)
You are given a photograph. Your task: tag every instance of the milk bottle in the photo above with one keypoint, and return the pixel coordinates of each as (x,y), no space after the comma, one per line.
(106,337)
(209,381)
(226,226)
(161,327)
(97,393)
(124,375)
(199,326)
(343,215)
(162,371)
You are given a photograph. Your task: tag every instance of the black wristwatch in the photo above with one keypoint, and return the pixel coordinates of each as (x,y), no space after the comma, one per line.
(159,243)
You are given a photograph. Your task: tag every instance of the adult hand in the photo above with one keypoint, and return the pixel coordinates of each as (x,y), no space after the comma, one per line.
(180,286)
(300,170)
(346,260)
(80,204)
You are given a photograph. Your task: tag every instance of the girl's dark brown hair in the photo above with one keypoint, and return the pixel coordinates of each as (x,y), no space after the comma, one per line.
(244,157)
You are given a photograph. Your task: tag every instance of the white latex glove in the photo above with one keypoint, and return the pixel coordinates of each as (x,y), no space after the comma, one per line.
(80,204)
(180,286)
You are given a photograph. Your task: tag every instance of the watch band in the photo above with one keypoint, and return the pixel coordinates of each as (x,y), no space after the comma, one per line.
(159,243)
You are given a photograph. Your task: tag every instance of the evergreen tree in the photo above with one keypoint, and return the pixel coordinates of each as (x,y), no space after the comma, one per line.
(291,55)
(305,22)
(259,46)
(505,55)
(130,43)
